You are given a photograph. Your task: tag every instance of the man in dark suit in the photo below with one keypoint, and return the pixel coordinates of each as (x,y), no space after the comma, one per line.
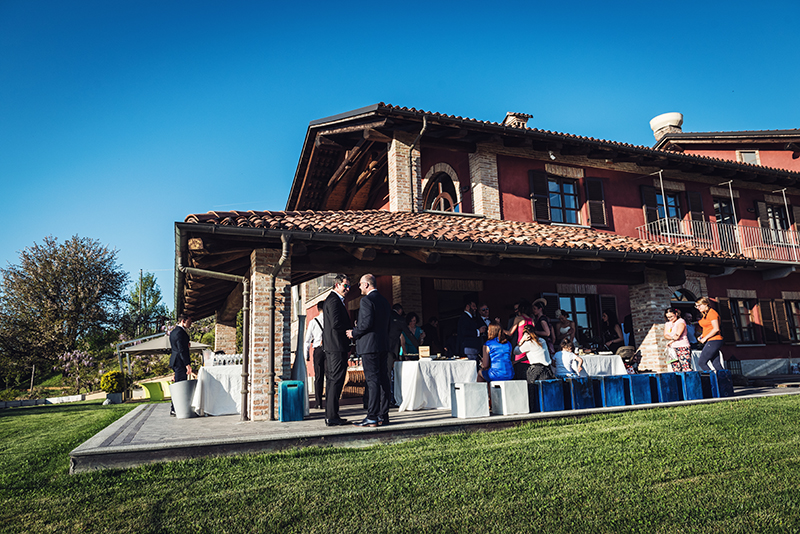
(372,343)
(336,346)
(469,332)
(180,360)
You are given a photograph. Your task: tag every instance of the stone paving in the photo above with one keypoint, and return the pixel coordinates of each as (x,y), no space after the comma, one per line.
(148,434)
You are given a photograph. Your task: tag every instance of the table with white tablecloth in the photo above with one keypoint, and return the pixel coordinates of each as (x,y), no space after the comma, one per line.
(426,383)
(218,391)
(603,365)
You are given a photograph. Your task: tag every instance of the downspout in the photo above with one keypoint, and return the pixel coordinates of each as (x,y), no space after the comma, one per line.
(411,159)
(286,239)
(245,320)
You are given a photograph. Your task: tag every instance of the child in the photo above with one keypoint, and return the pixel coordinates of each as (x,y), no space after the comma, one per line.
(567,362)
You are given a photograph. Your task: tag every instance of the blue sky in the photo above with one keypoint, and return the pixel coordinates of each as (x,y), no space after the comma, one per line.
(119,118)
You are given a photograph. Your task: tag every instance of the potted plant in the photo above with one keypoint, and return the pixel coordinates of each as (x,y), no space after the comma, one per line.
(113,383)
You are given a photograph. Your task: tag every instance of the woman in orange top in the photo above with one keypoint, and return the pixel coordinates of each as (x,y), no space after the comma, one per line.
(711,336)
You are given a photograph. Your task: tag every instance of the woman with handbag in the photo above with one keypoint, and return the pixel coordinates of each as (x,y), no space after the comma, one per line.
(678,347)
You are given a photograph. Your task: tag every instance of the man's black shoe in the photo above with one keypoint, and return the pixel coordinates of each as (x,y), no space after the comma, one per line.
(335,422)
(367,422)
(172,413)
(383,421)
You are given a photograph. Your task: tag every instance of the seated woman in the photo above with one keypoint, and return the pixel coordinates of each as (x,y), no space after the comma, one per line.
(496,361)
(534,350)
(567,362)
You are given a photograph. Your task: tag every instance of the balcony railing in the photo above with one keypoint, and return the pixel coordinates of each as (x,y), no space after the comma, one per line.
(755,242)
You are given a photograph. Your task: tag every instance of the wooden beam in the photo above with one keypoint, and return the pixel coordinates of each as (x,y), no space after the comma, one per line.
(347,163)
(425,256)
(362,253)
(355,128)
(376,136)
(539,264)
(492,260)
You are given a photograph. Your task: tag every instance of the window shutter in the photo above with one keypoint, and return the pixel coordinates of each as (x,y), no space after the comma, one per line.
(726,321)
(649,203)
(695,202)
(796,216)
(540,196)
(768,321)
(596,201)
(552,305)
(608,302)
(782,321)
(761,210)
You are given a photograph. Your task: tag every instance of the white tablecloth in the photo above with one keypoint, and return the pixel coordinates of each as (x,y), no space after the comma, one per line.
(218,391)
(426,383)
(599,365)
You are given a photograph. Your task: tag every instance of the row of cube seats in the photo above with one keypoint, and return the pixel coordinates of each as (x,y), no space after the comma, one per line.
(518,397)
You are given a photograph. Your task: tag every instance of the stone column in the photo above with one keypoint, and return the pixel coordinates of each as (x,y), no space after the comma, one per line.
(262,262)
(483,177)
(400,198)
(648,301)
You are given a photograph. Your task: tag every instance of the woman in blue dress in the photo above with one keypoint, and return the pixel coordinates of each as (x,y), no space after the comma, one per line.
(496,363)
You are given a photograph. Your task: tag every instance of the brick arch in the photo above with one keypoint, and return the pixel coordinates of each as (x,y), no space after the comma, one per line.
(449,171)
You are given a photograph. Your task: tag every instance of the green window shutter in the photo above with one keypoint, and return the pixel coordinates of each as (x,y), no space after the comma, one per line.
(540,196)
(595,199)
(768,321)
(649,203)
(726,321)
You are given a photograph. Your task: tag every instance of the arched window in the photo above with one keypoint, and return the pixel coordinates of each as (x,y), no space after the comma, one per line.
(683,295)
(440,193)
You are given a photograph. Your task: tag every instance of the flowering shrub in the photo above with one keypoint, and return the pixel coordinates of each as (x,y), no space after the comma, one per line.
(79,366)
(112,382)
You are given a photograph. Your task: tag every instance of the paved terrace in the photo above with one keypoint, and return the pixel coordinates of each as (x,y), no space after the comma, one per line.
(148,434)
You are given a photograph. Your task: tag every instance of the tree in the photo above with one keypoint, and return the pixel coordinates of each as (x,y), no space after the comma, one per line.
(145,314)
(59,295)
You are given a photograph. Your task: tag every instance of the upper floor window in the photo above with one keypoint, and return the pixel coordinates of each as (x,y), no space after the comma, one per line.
(558,199)
(668,205)
(748,156)
(563,200)
(724,211)
(440,193)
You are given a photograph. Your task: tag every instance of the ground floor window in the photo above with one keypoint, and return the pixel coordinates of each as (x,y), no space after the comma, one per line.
(793,317)
(742,315)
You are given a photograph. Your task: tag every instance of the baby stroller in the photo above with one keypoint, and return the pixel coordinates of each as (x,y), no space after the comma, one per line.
(631,358)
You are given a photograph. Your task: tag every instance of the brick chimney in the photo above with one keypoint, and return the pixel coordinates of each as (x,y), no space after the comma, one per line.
(516,120)
(666,123)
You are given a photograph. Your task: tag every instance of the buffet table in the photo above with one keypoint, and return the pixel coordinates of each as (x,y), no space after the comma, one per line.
(426,383)
(603,365)
(218,391)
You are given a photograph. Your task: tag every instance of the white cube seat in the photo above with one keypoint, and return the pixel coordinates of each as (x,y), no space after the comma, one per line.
(509,397)
(469,399)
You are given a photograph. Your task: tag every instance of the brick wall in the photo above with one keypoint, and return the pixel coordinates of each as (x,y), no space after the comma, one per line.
(483,175)
(648,301)
(262,261)
(408,292)
(399,181)
(225,337)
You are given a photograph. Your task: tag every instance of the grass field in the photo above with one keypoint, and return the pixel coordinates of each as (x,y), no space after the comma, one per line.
(724,467)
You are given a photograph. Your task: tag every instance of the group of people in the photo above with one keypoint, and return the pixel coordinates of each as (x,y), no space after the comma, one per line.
(681,336)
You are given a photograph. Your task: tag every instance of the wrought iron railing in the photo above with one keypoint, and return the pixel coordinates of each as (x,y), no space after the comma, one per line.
(768,244)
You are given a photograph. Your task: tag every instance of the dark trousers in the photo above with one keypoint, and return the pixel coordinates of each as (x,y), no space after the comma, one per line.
(710,353)
(319,374)
(335,372)
(377,378)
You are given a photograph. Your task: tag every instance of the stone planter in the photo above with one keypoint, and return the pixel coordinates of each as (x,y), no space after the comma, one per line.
(115,398)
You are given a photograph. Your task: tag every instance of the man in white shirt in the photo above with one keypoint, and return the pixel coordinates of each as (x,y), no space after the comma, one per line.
(314,339)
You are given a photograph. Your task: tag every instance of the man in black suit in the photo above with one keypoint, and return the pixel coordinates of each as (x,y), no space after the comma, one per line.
(180,360)
(469,332)
(336,346)
(372,342)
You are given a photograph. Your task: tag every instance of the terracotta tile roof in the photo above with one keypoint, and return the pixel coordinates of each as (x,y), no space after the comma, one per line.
(659,151)
(445,229)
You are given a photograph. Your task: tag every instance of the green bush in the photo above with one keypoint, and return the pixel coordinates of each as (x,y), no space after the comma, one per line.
(10,394)
(112,382)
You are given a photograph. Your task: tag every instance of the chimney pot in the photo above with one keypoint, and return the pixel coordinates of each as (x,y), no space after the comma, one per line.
(666,123)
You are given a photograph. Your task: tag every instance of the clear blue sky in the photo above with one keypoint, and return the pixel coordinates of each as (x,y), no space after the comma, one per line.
(118,118)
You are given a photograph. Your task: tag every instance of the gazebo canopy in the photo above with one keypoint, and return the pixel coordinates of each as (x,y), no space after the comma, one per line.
(160,345)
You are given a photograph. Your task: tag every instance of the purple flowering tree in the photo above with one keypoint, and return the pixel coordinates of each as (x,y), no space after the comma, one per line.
(80,367)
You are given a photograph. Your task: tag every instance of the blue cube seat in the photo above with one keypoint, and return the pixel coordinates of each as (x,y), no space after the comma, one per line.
(642,388)
(291,395)
(610,390)
(669,387)
(546,395)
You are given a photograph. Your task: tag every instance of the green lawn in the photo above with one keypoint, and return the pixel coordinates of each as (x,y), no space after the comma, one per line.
(725,467)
